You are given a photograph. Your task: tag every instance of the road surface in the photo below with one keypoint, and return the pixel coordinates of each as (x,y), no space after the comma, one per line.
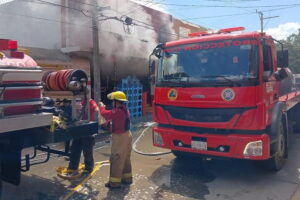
(165,177)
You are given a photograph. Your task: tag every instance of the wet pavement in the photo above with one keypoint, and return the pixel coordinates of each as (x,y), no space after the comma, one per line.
(165,177)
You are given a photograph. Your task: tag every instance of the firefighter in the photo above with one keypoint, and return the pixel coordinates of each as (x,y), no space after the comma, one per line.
(120,164)
(85,145)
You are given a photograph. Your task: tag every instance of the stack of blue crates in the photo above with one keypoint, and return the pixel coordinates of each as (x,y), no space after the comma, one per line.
(133,89)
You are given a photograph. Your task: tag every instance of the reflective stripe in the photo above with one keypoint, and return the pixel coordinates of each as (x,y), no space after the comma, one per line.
(114,180)
(127,175)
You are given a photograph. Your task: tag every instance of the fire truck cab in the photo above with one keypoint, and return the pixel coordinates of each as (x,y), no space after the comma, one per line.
(225,94)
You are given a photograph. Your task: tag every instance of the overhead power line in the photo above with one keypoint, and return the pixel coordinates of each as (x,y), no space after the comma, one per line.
(237,14)
(147,26)
(148,4)
(227,6)
(44,19)
(233,1)
(83,3)
(218,16)
(58,5)
(133,10)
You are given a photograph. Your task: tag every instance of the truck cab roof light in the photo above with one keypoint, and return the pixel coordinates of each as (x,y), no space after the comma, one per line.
(197,34)
(229,30)
(224,30)
(12,45)
(8,44)
(3,44)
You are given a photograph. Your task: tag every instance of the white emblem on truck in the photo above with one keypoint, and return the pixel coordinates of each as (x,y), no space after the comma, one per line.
(228,94)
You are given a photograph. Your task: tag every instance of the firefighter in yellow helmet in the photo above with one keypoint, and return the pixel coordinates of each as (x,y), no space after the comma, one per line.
(120,163)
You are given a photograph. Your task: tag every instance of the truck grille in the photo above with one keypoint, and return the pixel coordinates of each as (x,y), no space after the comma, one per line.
(203,114)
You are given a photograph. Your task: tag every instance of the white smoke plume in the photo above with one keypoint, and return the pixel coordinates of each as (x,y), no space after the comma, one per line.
(137,40)
(126,48)
(31,22)
(153,5)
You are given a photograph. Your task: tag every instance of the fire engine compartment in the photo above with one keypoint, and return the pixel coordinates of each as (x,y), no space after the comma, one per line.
(23,121)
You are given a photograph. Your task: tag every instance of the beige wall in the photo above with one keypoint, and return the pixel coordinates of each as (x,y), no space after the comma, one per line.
(124,50)
(80,63)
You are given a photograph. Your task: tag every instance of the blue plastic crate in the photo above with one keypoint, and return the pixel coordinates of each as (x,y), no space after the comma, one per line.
(133,89)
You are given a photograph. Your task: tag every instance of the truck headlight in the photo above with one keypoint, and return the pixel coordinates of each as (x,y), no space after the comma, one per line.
(254,148)
(157,139)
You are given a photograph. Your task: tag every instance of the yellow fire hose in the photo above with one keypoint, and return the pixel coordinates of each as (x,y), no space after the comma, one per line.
(62,171)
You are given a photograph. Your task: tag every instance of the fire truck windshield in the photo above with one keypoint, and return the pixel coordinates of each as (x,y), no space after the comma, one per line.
(228,62)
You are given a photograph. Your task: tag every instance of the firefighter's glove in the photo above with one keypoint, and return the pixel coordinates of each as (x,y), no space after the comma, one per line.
(101,104)
(57,123)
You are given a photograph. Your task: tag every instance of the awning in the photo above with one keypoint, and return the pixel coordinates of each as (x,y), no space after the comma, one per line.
(77,51)
(48,57)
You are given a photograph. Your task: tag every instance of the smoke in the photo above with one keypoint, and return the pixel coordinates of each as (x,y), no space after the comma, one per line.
(30,23)
(153,5)
(2,2)
(125,49)
(116,38)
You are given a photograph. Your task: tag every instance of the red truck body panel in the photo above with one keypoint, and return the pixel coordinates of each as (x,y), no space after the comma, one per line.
(249,119)
(13,86)
(235,142)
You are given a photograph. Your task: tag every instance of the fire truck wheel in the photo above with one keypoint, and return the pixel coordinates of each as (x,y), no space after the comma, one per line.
(297,119)
(0,183)
(0,189)
(277,161)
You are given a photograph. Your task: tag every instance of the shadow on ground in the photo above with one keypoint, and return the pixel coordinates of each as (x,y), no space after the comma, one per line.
(192,177)
(34,187)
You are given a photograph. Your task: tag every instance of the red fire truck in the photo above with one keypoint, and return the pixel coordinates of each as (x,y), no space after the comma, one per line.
(24,122)
(225,94)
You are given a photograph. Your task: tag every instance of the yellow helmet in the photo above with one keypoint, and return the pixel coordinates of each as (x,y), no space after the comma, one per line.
(118,95)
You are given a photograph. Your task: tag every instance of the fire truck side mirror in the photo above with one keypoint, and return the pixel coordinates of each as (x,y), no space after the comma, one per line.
(282,58)
(281,74)
(157,51)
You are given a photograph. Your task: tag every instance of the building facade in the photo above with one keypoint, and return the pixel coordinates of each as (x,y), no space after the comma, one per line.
(62,31)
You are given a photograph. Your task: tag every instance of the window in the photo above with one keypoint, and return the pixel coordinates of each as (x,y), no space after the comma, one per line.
(267,58)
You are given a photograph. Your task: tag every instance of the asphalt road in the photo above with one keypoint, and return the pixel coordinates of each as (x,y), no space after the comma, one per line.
(165,177)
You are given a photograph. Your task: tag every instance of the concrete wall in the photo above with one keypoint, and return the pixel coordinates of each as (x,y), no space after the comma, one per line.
(33,24)
(124,49)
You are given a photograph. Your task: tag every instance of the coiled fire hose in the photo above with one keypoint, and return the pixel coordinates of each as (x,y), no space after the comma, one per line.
(144,153)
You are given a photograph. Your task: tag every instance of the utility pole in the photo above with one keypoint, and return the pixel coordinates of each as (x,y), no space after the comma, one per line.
(262,18)
(95,62)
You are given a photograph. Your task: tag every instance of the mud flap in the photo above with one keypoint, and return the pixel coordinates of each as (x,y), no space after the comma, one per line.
(10,155)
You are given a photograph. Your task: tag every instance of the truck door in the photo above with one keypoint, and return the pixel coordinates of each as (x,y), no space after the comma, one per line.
(270,83)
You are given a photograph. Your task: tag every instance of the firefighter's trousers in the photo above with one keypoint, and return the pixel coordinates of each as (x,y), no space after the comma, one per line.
(120,163)
(85,145)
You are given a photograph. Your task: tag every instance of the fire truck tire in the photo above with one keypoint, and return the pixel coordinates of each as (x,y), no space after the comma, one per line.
(0,183)
(0,188)
(278,160)
(297,119)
